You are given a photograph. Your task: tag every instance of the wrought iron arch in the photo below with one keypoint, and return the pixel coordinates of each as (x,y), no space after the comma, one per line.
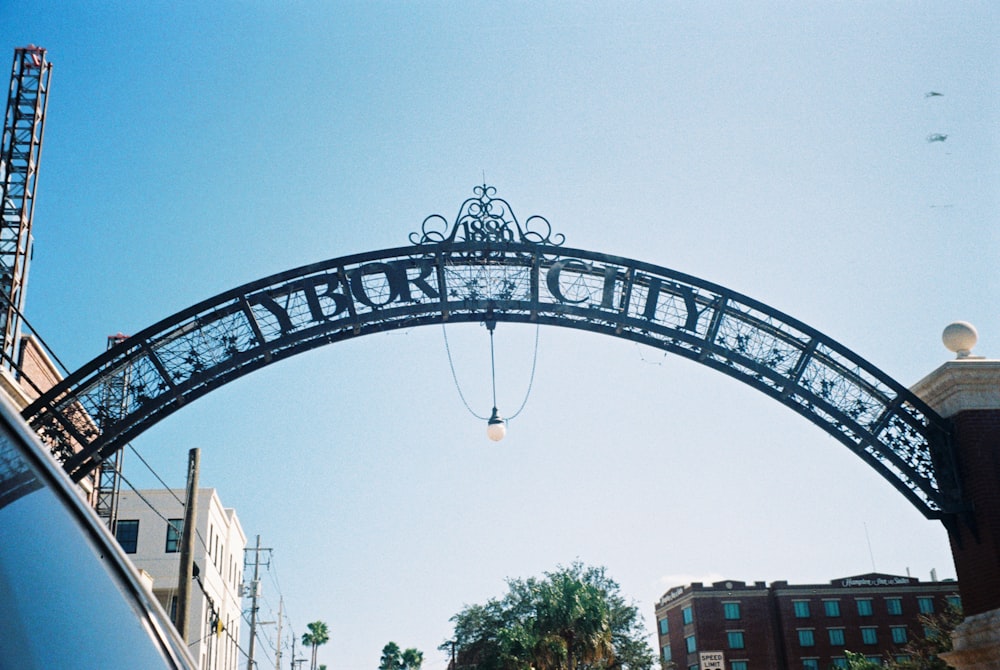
(488,264)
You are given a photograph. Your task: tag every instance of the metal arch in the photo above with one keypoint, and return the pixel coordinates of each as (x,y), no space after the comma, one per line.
(515,279)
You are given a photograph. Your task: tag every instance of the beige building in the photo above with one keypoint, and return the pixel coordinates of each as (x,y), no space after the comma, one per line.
(152,541)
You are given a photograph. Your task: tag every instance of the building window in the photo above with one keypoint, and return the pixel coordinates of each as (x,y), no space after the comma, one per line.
(954,601)
(690,645)
(810,664)
(831,607)
(865,607)
(801,608)
(174,530)
(731,611)
(667,656)
(868,635)
(836,637)
(127,534)
(686,615)
(839,662)
(735,639)
(806,637)
(894,606)
(926,605)
(664,627)
(738,665)
(898,634)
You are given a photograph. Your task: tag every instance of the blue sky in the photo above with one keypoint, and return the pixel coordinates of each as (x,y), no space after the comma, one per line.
(778,149)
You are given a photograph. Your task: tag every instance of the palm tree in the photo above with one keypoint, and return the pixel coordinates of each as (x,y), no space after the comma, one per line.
(319,634)
(392,657)
(574,624)
(412,659)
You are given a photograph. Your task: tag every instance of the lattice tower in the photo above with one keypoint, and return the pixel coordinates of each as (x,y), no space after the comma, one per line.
(115,404)
(24,123)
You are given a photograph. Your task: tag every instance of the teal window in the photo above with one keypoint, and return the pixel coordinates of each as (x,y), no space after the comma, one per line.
(735,639)
(127,534)
(954,601)
(801,608)
(664,627)
(806,637)
(738,665)
(868,635)
(894,606)
(686,615)
(837,637)
(810,664)
(174,528)
(731,611)
(840,662)
(865,607)
(877,660)
(667,655)
(903,658)
(898,634)
(690,644)
(925,605)
(831,607)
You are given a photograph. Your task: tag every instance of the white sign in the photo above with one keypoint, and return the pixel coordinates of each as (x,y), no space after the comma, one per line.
(712,660)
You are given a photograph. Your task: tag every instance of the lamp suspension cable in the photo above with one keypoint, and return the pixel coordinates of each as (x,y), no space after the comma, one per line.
(496,425)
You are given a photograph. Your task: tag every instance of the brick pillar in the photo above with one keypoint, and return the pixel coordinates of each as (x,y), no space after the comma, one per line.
(967,391)
(976,545)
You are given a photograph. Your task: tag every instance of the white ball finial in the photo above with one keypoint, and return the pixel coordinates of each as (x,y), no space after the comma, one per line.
(960,337)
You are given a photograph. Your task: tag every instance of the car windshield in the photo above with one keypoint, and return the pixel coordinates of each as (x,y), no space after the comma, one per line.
(68,598)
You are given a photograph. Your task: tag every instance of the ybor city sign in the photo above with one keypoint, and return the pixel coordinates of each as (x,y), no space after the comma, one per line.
(531,282)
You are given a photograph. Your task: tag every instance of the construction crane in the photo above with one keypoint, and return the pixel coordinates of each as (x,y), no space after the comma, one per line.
(20,151)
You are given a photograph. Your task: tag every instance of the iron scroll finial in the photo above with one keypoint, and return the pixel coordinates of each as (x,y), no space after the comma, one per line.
(485,218)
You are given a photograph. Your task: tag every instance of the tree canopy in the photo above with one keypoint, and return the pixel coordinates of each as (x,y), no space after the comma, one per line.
(394,658)
(319,634)
(572,619)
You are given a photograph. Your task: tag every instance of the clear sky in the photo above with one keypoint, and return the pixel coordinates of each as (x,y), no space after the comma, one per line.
(779,149)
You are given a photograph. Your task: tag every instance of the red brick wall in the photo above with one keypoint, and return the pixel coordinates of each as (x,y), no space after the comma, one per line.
(976,547)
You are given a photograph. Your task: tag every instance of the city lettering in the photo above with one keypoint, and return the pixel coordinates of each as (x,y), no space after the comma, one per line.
(338,293)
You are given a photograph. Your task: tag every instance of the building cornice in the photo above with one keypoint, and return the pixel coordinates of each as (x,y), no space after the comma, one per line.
(961,385)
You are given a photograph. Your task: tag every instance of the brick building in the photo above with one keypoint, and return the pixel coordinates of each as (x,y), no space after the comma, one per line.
(785,626)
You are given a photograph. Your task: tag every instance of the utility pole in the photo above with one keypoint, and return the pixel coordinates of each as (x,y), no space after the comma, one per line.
(277,654)
(254,594)
(186,572)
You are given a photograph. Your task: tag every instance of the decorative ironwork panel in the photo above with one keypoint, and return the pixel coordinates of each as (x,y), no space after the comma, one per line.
(488,267)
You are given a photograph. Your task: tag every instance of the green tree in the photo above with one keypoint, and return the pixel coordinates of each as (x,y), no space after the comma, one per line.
(412,659)
(859,662)
(392,657)
(318,635)
(572,619)
(923,651)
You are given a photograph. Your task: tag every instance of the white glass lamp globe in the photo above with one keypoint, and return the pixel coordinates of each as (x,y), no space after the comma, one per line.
(496,428)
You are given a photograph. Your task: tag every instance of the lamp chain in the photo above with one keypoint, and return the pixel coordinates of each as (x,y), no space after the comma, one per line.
(458,387)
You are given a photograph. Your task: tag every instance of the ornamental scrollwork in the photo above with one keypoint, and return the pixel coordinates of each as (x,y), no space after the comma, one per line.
(485,218)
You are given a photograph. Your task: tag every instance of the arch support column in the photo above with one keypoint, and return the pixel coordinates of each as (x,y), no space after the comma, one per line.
(966,391)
